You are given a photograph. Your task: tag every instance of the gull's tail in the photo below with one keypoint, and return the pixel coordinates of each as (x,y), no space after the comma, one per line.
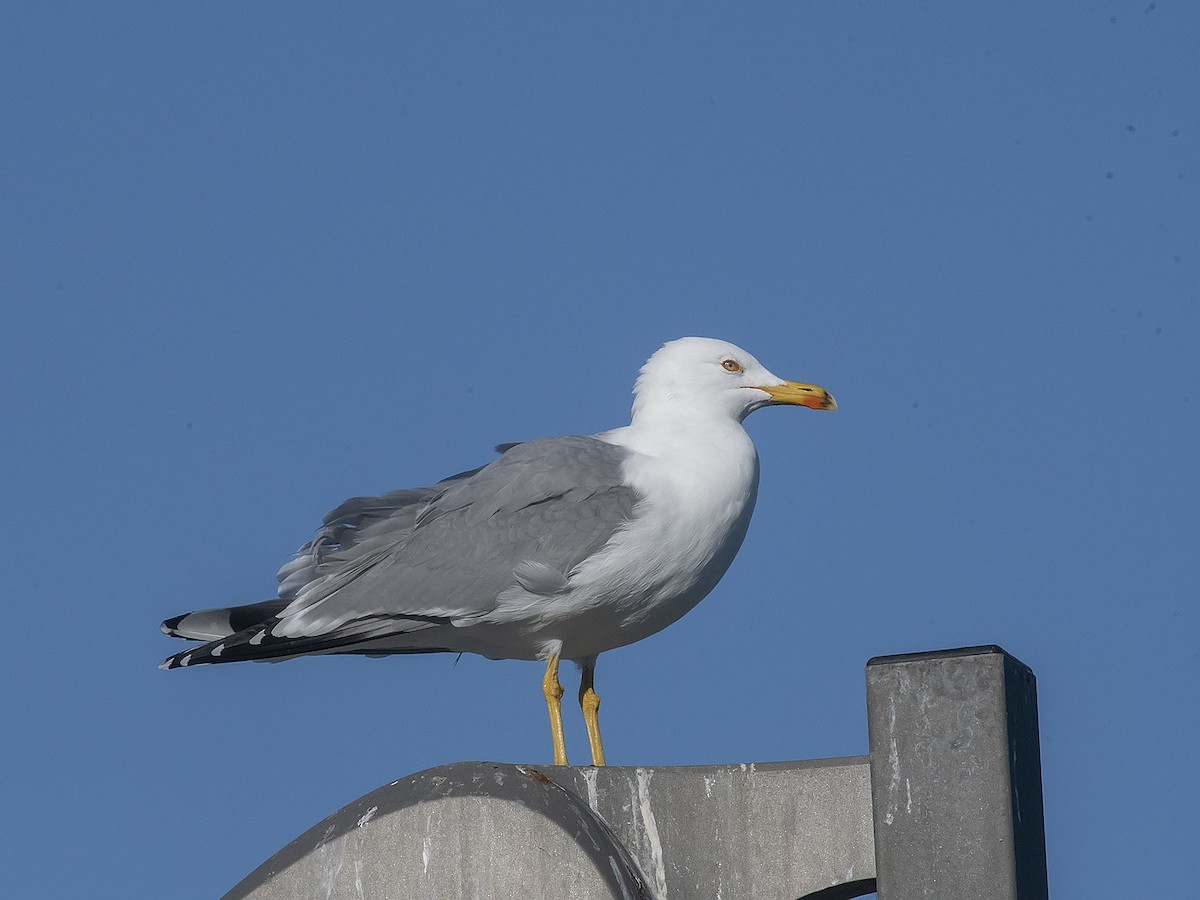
(239,633)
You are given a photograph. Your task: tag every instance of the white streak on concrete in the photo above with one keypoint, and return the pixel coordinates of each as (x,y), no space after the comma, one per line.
(331,857)
(589,778)
(893,792)
(427,846)
(652,836)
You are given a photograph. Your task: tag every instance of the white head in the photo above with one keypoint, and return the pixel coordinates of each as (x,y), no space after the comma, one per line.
(703,378)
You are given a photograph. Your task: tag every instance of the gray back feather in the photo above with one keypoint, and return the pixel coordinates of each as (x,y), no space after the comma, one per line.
(447,551)
(358,526)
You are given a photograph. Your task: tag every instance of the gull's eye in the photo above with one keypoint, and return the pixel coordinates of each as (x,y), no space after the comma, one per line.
(731,365)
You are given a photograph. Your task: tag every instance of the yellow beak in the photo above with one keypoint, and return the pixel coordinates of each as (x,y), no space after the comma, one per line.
(794,393)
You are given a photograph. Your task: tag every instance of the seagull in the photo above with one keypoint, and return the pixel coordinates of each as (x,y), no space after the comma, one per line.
(559,549)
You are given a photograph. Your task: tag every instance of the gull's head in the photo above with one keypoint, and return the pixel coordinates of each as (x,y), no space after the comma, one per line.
(705,378)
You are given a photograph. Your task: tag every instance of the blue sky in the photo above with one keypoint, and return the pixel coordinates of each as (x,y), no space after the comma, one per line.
(262,257)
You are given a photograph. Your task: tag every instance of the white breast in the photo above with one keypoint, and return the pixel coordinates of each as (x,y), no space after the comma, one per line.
(699,494)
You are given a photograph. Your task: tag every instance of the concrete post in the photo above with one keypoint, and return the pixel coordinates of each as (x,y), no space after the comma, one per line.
(956,776)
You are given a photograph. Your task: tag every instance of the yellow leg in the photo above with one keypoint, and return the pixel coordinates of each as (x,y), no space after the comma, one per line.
(589,702)
(554,691)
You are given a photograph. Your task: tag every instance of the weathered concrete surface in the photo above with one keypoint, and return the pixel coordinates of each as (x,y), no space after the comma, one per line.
(478,830)
(490,830)
(956,773)
(947,805)
(756,830)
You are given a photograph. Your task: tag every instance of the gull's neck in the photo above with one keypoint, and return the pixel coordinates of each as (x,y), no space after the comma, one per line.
(697,450)
(698,475)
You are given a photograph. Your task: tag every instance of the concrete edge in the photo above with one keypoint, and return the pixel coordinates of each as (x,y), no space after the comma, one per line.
(527,785)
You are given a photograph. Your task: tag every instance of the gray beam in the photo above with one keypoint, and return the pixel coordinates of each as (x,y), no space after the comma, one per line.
(490,830)
(777,830)
(956,776)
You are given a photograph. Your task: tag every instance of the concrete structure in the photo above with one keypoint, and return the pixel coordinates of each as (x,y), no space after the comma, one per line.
(956,776)
(947,805)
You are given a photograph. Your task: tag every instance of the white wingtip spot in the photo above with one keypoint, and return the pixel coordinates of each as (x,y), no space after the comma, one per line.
(217,650)
(183,661)
(258,638)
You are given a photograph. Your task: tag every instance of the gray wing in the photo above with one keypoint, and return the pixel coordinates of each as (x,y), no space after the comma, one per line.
(410,560)
(554,502)
(358,528)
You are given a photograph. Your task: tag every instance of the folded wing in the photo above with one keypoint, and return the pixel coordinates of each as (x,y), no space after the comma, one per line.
(436,557)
